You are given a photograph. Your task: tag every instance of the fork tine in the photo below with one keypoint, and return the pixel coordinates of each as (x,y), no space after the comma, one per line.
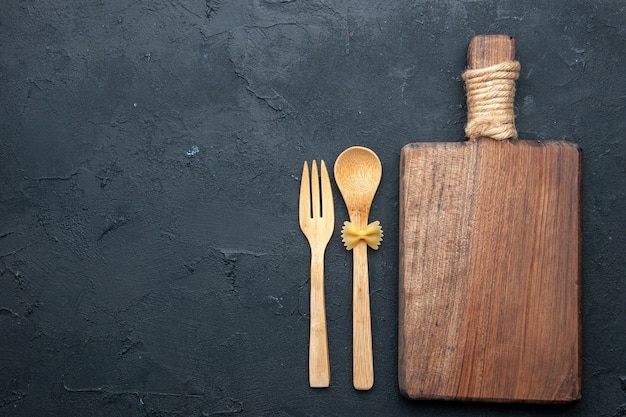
(315,191)
(328,208)
(305,196)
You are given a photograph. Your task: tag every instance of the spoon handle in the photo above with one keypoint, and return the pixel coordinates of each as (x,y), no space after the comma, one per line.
(362,357)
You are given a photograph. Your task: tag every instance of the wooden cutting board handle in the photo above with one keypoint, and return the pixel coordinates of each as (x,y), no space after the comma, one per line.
(487,50)
(490,87)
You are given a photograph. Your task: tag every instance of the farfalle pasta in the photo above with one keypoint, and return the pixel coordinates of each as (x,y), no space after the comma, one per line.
(372,235)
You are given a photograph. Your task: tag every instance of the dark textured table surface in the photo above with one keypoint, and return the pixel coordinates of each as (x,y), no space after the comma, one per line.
(151,262)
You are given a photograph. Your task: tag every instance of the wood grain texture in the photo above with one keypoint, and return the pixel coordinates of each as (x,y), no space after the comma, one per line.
(486,50)
(490,270)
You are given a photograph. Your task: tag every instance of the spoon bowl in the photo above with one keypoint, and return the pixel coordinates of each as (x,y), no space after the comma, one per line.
(357,174)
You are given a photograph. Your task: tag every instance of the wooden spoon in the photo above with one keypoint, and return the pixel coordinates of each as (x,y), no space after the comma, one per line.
(357,173)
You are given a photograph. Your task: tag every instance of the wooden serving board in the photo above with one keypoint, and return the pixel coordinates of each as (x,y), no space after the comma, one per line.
(490,269)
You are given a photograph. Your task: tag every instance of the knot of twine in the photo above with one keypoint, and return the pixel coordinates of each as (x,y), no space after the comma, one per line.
(490,95)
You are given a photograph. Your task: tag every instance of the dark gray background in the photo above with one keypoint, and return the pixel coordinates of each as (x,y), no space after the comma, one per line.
(137,280)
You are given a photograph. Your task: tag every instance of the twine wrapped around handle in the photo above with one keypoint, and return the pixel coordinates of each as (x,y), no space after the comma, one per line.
(490,95)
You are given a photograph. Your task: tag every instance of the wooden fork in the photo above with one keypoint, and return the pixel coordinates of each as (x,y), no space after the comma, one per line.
(317,221)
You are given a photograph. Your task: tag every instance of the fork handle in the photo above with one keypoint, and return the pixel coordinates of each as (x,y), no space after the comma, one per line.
(362,356)
(319,366)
